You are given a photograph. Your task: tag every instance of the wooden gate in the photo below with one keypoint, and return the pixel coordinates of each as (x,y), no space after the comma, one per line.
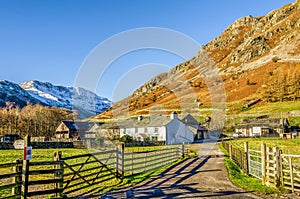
(89,173)
(290,172)
(272,169)
(254,163)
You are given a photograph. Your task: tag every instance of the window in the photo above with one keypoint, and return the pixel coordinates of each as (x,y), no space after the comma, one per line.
(146,130)
(156,130)
(154,138)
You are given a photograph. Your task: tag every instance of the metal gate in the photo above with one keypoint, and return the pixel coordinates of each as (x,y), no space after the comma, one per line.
(254,162)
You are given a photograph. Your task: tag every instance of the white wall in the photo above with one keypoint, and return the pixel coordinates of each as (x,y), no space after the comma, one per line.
(159,132)
(178,133)
(256,130)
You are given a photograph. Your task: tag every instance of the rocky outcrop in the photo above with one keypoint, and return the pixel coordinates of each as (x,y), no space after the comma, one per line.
(247,53)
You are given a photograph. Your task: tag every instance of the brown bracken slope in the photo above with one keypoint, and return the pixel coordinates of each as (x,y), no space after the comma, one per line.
(254,56)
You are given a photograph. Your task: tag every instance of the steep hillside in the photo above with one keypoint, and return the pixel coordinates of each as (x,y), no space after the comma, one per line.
(257,59)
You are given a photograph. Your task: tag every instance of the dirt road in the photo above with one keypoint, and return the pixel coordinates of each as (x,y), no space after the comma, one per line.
(201,177)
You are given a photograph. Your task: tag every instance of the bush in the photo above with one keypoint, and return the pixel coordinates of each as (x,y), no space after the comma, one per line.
(126,139)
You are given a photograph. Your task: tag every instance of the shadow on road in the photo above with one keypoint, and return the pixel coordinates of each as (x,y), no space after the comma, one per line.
(204,176)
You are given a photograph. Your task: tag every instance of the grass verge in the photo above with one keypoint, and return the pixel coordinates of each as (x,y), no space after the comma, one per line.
(240,179)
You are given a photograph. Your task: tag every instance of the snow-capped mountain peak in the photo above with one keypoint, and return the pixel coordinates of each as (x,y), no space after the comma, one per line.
(86,102)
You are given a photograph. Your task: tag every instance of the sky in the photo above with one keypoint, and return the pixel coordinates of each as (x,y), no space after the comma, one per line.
(50,40)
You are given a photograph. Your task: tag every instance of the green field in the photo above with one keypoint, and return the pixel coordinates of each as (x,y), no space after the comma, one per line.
(85,164)
(38,154)
(288,146)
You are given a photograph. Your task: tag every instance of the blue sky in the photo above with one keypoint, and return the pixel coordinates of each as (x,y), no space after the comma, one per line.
(48,40)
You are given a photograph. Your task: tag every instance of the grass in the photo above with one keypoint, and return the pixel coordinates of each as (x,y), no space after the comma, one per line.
(240,179)
(47,155)
(135,179)
(143,148)
(275,107)
(38,154)
(288,146)
(132,180)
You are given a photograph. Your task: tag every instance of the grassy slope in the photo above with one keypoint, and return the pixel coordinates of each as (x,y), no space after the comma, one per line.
(275,107)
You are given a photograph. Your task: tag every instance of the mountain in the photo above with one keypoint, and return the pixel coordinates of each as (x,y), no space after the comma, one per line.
(85,102)
(11,92)
(257,59)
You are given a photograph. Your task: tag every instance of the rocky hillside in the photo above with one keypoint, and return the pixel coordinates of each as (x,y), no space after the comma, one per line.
(11,92)
(257,59)
(85,102)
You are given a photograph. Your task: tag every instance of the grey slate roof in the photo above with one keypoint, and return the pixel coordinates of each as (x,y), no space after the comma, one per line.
(264,123)
(79,126)
(192,122)
(151,121)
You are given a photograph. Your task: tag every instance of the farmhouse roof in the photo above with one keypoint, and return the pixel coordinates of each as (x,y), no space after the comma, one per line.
(94,126)
(192,122)
(79,126)
(264,123)
(133,122)
(189,120)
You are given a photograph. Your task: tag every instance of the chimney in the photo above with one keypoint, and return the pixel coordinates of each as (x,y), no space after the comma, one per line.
(140,118)
(174,115)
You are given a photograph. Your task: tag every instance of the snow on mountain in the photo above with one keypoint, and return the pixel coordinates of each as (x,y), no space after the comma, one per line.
(67,97)
(11,92)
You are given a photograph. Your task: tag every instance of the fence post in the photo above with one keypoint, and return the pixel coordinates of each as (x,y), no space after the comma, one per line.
(291,174)
(120,159)
(117,160)
(246,161)
(17,179)
(230,151)
(182,150)
(263,164)
(25,171)
(59,175)
(132,163)
(277,167)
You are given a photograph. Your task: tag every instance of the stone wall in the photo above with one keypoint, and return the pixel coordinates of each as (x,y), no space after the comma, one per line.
(39,145)
(46,145)
(4,145)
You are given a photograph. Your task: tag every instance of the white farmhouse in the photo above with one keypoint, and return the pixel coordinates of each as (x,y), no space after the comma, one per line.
(171,130)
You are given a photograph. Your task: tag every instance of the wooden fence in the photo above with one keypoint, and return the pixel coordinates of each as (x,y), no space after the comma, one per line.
(141,162)
(270,165)
(290,172)
(81,174)
(11,180)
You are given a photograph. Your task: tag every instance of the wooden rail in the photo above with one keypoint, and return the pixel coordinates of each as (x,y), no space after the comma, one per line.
(12,188)
(88,172)
(277,169)
(81,174)
(291,172)
(142,162)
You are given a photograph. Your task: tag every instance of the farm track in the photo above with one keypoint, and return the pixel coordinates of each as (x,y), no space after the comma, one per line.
(200,177)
